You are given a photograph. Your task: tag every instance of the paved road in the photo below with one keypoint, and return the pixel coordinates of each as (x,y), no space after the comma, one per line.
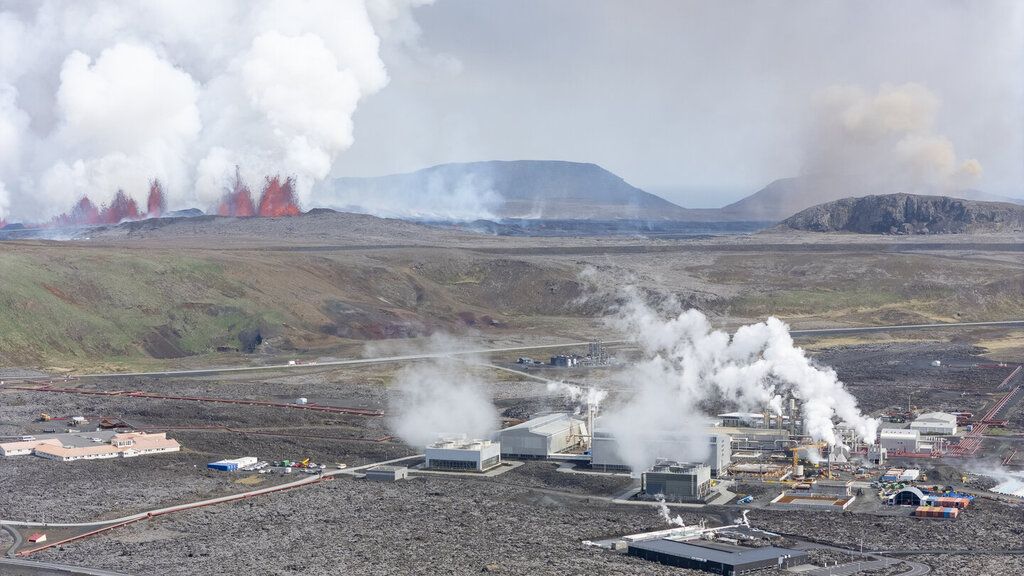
(354,361)
(863,329)
(486,351)
(851,568)
(49,568)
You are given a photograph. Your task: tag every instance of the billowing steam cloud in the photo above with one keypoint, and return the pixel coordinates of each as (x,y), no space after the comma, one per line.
(886,140)
(97,96)
(686,362)
(440,398)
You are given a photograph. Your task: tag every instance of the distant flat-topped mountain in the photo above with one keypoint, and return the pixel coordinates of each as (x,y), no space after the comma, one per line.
(787,196)
(515,189)
(909,214)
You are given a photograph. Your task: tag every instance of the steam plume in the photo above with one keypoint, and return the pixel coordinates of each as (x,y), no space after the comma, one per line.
(686,362)
(583,397)
(440,398)
(98,96)
(666,514)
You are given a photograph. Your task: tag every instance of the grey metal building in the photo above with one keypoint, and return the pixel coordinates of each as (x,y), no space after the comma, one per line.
(716,557)
(606,453)
(677,482)
(536,438)
(387,473)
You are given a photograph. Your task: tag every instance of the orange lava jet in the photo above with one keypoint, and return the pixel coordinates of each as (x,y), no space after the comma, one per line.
(279,199)
(156,204)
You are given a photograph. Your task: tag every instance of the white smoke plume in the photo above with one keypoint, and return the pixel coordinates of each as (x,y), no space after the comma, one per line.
(440,398)
(666,514)
(98,95)
(583,396)
(461,197)
(887,141)
(685,362)
(1010,482)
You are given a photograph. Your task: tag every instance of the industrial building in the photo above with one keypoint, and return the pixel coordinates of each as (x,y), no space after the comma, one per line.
(758,469)
(565,361)
(938,423)
(715,557)
(742,419)
(463,455)
(91,445)
(912,496)
(900,439)
(387,473)
(832,488)
(606,453)
(538,437)
(232,464)
(677,482)
(756,438)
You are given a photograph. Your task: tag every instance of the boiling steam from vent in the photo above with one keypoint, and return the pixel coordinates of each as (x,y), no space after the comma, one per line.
(440,398)
(686,362)
(887,141)
(666,514)
(583,397)
(98,96)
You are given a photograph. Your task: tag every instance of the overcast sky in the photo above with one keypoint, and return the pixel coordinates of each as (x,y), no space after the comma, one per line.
(703,102)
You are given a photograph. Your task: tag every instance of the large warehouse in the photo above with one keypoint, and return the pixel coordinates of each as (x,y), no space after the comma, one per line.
(935,423)
(548,434)
(606,455)
(716,557)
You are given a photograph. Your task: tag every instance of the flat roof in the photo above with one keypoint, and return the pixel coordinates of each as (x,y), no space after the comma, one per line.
(387,469)
(545,425)
(716,551)
(899,432)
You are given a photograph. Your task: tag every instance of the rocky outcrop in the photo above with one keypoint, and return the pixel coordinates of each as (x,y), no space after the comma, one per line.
(908,214)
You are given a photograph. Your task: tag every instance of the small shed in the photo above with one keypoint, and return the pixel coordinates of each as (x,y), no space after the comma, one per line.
(387,473)
(37,537)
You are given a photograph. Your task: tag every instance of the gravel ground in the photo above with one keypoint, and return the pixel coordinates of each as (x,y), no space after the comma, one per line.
(965,565)
(546,475)
(884,375)
(99,489)
(426,525)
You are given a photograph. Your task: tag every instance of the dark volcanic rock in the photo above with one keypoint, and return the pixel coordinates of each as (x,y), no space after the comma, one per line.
(908,214)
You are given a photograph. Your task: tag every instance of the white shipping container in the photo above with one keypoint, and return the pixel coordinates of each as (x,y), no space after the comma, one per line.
(244,461)
(909,475)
